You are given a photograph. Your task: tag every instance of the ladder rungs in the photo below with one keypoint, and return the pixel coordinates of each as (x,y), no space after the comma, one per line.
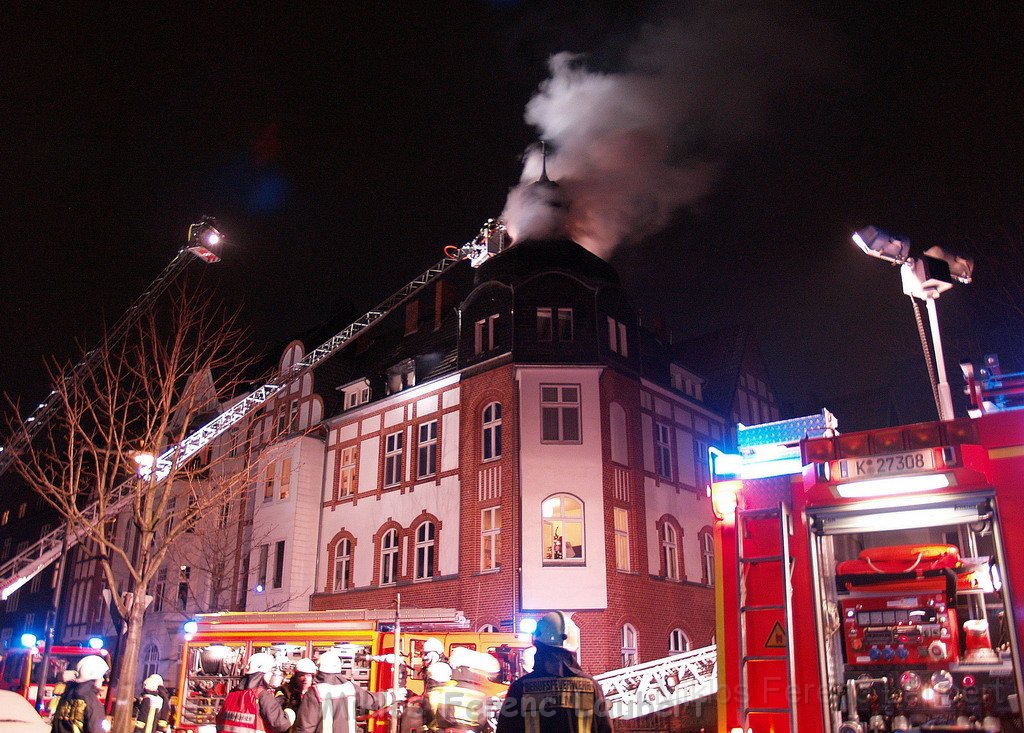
(762,558)
(785,711)
(762,658)
(774,607)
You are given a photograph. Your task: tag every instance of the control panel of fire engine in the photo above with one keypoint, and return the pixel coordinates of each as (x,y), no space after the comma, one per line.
(901,630)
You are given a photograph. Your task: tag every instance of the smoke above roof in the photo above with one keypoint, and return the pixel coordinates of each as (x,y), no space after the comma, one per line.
(632,145)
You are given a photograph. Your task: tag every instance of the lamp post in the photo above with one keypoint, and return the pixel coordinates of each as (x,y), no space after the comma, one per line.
(924,277)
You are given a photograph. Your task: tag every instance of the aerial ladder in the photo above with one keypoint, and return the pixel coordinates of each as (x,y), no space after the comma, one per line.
(21,568)
(201,236)
(642,689)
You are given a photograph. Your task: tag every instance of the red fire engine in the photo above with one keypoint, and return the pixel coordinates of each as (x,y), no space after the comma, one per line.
(19,669)
(871,581)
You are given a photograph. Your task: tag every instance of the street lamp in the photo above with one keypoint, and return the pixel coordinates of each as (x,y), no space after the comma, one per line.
(925,277)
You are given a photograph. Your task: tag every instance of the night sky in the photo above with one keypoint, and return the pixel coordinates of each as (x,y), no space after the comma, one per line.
(341,152)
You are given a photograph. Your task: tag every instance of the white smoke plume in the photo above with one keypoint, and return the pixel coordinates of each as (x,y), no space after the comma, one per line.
(629,148)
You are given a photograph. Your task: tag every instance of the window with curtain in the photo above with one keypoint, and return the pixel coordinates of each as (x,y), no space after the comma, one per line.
(562,527)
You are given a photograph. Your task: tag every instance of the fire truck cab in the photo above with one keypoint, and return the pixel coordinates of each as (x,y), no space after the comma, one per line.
(871,581)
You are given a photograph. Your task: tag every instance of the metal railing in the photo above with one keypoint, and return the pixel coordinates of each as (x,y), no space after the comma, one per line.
(646,688)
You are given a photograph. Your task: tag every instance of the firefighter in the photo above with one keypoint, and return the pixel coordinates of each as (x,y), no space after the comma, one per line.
(152,708)
(461,703)
(252,706)
(290,694)
(79,709)
(336,696)
(435,668)
(556,697)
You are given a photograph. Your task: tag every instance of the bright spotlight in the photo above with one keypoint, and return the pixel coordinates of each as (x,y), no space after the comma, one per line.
(28,640)
(528,625)
(190,627)
(95,643)
(201,236)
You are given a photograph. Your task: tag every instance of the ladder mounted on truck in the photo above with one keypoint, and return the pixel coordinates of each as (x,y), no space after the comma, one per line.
(25,565)
(647,688)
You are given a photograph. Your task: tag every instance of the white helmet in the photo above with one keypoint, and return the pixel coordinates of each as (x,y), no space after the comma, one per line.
(91,667)
(329,663)
(439,672)
(152,683)
(482,662)
(259,662)
(556,628)
(306,666)
(433,645)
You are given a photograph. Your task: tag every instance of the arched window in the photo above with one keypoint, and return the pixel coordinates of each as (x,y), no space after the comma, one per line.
(389,557)
(562,518)
(343,565)
(492,431)
(488,629)
(425,542)
(150,660)
(630,646)
(678,642)
(670,551)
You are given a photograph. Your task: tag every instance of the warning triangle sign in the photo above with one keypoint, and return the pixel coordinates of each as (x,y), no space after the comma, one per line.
(777,638)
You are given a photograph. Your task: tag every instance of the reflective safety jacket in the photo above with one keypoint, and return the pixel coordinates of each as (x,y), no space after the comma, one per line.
(79,710)
(251,708)
(333,703)
(557,697)
(152,711)
(453,705)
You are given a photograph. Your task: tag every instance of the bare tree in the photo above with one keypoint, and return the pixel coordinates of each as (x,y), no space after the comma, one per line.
(146,392)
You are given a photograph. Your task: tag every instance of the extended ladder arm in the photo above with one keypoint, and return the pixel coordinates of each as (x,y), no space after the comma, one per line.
(652,686)
(46,409)
(25,565)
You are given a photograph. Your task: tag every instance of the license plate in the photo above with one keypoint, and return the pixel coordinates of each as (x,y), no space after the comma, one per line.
(891,464)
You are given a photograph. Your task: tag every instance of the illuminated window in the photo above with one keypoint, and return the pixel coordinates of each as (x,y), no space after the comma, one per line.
(343,565)
(268,483)
(630,650)
(560,413)
(490,537)
(389,558)
(425,546)
(670,551)
(393,459)
(22,508)
(286,477)
(426,450)
(678,642)
(663,450)
(5,517)
(621,540)
(562,523)
(492,431)
(347,477)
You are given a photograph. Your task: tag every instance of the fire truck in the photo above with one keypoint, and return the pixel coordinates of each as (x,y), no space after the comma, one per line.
(872,581)
(218,645)
(19,669)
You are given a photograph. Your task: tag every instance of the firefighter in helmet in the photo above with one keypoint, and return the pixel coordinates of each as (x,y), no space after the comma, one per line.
(252,706)
(152,707)
(557,696)
(436,669)
(461,703)
(290,693)
(79,709)
(332,703)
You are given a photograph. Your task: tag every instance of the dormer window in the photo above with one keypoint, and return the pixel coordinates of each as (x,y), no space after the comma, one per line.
(355,394)
(554,324)
(687,382)
(401,375)
(484,337)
